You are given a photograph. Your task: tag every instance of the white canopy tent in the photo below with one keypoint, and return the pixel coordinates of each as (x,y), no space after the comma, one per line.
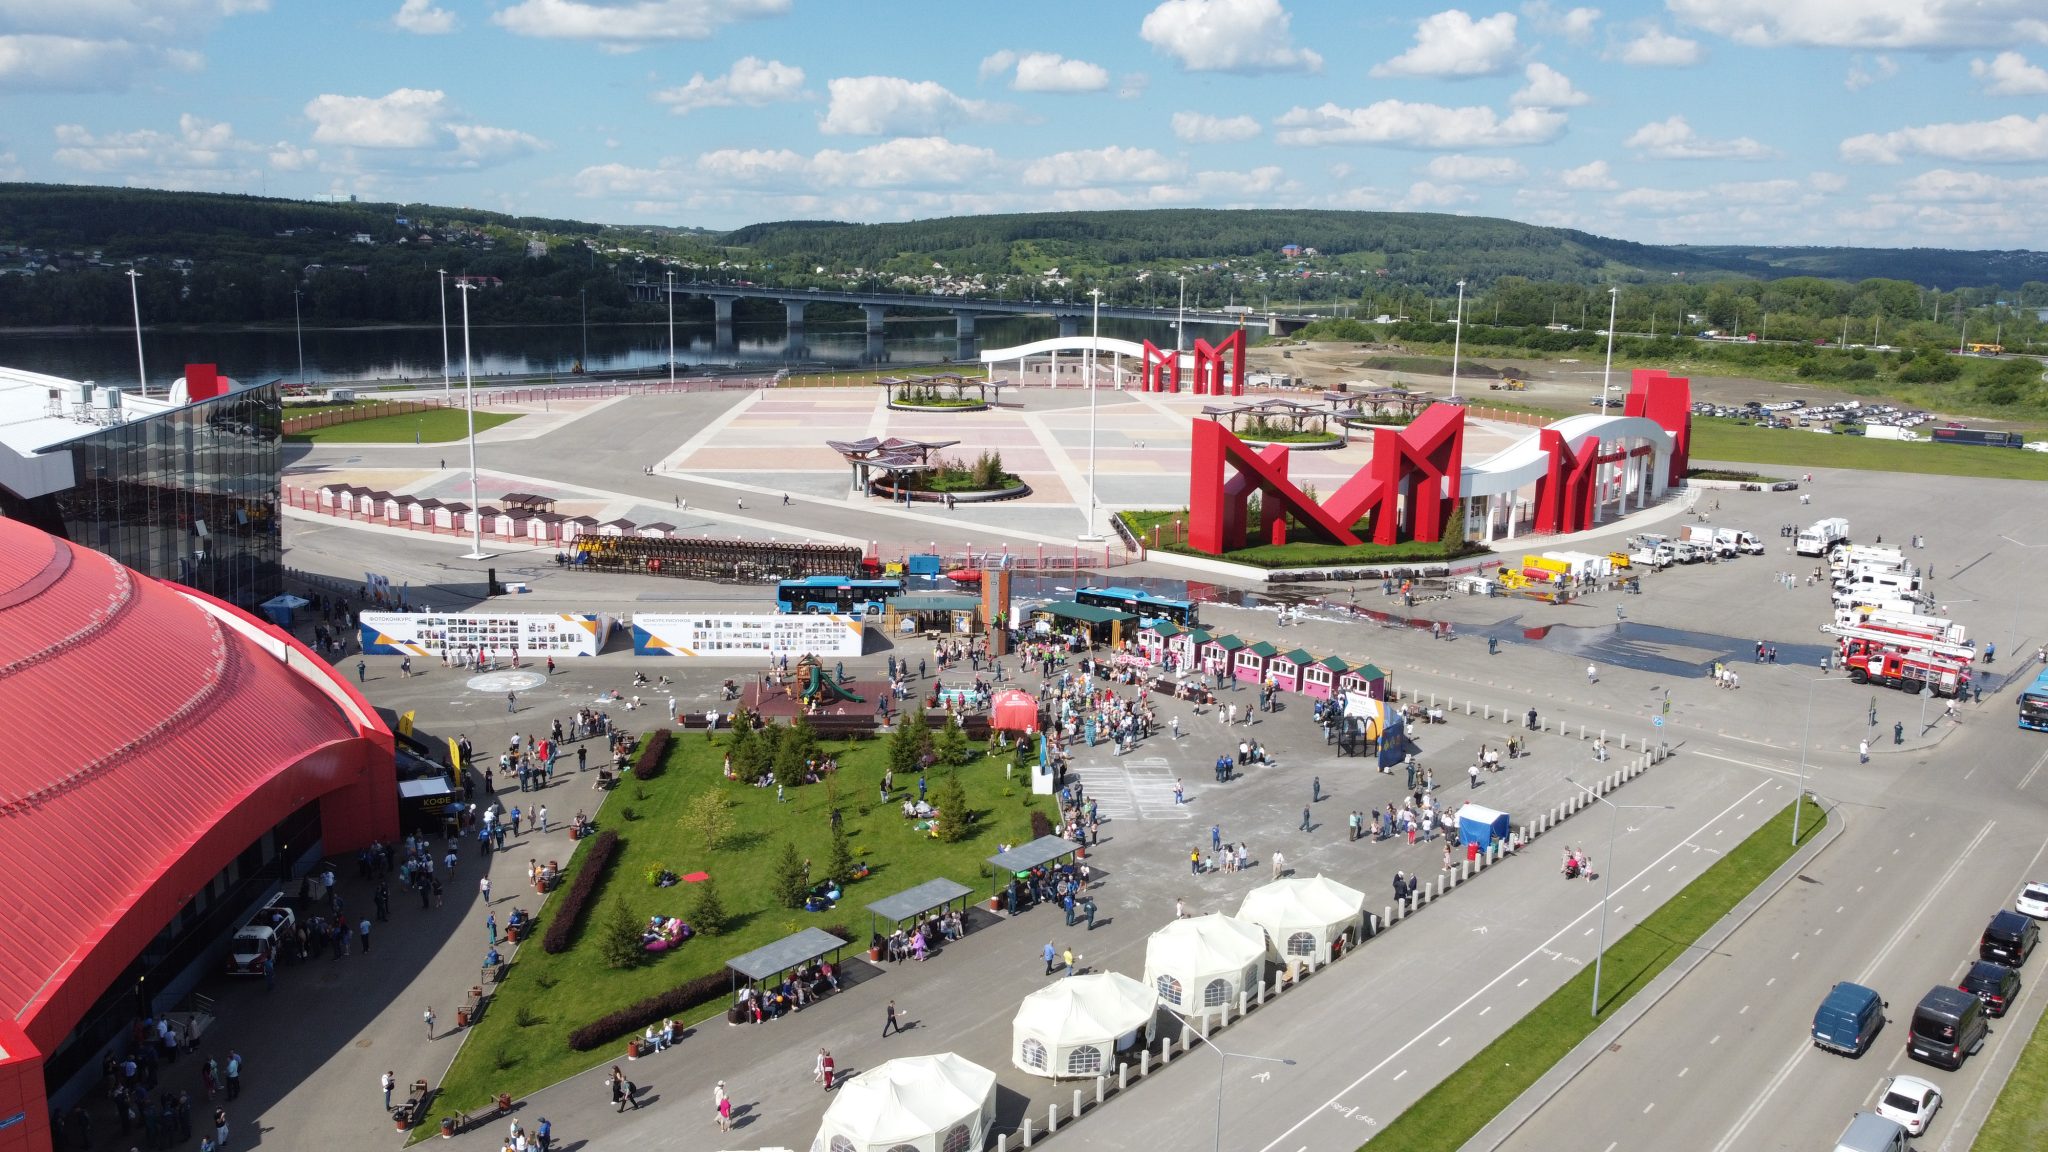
(1302,915)
(1073,1027)
(1198,965)
(937,1103)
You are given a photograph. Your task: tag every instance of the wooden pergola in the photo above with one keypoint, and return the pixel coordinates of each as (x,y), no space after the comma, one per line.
(1271,411)
(902,388)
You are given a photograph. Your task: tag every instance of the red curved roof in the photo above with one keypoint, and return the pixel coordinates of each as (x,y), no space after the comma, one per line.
(147,742)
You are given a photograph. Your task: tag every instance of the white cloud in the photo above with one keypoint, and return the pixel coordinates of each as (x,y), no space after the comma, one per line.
(998,62)
(1132,85)
(1575,25)
(907,163)
(1200,128)
(1913,24)
(893,106)
(1459,169)
(1656,48)
(1592,176)
(624,25)
(751,82)
(1947,184)
(411,126)
(103,45)
(1426,126)
(1547,88)
(1227,36)
(1050,72)
(1674,139)
(1881,68)
(201,154)
(2008,139)
(422,18)
(1424,194)
(1452,43)
(2009,74)
(1110,165)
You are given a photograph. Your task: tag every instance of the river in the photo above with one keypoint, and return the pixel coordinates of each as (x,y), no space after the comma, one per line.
(348,355)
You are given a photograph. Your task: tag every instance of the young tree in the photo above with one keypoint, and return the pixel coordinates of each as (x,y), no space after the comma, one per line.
(956,819)
(711,818)
(798,746)
(951,745)
(839,868)
(707,912)
(619,941)
(792,882)
(911,740)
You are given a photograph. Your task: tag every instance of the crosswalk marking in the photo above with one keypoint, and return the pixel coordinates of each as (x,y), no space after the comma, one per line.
(1135,788)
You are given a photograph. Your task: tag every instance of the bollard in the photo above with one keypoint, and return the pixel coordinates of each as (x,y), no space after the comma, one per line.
(1488,715)
(1025,1131)
(1388,918)
(1224,1012)
(1439,887)
(1077,1101)
(1099,1087)
(1432,699)
(1468,706)
(1052,1119)
(1400,912)
(1002,1142)
(1144,1062)
(1123,1079)
(1582,731)
(1261,986)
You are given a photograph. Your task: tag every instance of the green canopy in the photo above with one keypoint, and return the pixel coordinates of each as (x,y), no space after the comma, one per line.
(1086,613)
(1228,643)
(1371,672)
(1299,658)
(1265,650)
(1164,629)
(1335,664)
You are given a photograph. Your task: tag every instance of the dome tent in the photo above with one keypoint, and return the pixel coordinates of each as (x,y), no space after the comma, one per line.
(1198,965)
(1302,915)
(935,1103)
(1074,1027)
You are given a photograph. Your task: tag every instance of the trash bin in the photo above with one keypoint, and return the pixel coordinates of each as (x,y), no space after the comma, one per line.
(462,1017)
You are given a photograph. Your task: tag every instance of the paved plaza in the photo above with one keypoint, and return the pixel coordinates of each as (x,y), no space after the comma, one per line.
(1416,1002)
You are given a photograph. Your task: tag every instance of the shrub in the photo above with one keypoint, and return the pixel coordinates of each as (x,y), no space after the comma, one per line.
(653,1010)
(652,754)
(711,818)
(911,740)
(561,933)
(792,882)
(707,913)
(956,817)
(1041,824)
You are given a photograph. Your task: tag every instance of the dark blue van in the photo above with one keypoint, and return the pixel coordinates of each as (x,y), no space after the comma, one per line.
(1848,1020)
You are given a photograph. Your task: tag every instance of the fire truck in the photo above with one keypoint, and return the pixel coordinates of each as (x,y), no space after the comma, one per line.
(1872,662)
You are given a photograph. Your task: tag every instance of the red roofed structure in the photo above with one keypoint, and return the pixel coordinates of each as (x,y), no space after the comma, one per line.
(157,738)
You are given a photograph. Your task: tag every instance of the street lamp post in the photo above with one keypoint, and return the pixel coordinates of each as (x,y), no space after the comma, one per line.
(447,387)
(1094,340)
(1799,804)
(135,299)
(1180,322)
(1457,339)
(669,290)
(299,334)
(584,293)
(1223,1061)
(1607,878)
(476,508)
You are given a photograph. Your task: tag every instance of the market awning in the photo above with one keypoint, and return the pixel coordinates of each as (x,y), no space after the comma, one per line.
(1086,613)
(1025,857)
(1335,664)
(786,953)
(1370,672)
(923,898)
(1228,643)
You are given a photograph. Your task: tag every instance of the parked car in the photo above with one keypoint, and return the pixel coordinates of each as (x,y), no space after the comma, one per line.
(1910,1102)
(2033,901)
(2009,939)
(1993,983)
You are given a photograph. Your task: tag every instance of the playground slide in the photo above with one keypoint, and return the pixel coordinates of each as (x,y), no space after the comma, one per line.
(821,683)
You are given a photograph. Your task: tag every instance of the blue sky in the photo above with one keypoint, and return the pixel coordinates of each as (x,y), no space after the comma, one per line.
(1878,122)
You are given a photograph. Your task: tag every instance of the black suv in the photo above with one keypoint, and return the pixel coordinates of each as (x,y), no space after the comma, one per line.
(1995,984)
(2008,939)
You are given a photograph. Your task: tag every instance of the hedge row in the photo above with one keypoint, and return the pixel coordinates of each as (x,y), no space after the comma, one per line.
(561,933)
(652,753)
(653,1010)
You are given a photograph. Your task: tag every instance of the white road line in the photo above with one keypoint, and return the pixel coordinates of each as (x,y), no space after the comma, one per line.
(1397,1076)
(1647,1107)
(1488,986)
(1715,1040)
(2029,777)
(1444,1041)
(1485,1010)
(1522,981)
(1784,1072)
(1747,764)
(1744,1012)
(1771,981)
(1683,1071)
(1795,956)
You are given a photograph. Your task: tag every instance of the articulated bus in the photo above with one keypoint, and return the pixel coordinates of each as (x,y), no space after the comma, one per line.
(2034,704)
(835,595)
(1145,606)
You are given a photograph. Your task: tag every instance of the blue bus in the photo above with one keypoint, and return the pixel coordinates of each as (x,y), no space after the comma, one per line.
(835,595)
(2034,704)
(1145,606)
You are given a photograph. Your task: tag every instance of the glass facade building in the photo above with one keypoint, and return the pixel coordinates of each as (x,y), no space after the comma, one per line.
(189,495)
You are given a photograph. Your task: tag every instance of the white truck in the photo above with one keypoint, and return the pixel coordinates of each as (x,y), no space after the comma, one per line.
(1822,535)
(1739,541)
(1887,432)
(1704,537)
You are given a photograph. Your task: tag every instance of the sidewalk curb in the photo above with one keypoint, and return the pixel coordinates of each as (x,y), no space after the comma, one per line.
(1581,1057)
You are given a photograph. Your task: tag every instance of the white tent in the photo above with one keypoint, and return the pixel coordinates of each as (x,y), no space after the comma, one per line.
(1072,1027)
(1302,915)
(1198,965)
(935,1103)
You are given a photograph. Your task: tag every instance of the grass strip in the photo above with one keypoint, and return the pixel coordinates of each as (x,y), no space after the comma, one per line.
(1455,1110)
(437,426)
(2020,1117)
(1800,449)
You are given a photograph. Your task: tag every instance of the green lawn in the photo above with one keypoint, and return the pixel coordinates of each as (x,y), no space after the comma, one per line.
(1798,448)
(2020,1117)
(1455,1110)
(521,1045)
(1301,555)
(435,426)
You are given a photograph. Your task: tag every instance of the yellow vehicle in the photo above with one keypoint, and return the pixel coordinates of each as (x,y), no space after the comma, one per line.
(1618,559)
(1510,384)
(1988,349)
(1512,579)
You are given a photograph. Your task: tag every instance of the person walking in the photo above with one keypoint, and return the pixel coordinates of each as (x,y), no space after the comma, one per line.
(491,925)
(1473,773)
(1304,820)
(484,886)
(511,701)
(1315,791)
(1067,958)
(362,671)
(429,1015)
(544,1132)
(1216,837)
(389,1082)
(890,1024)
(724,1104)
(234,1071)
(364,928)
(827,1070)
(1863,751)
(1592,674)
(1050,954)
